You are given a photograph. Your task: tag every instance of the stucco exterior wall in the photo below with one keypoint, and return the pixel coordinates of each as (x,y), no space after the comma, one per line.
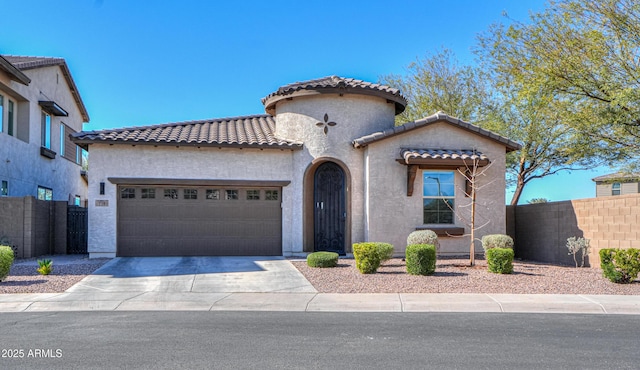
(391,215)
(146,161)
(604,189)
(354,116)
(20,161)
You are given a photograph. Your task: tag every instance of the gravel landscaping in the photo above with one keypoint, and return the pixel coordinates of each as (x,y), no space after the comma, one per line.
(23,277)
(454,276)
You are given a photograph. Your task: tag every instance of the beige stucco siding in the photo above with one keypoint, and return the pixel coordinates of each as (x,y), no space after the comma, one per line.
(146,161)
(392,215)
(354,116)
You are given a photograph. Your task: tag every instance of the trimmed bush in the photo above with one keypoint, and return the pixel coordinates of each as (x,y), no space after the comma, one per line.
(421,259)
(6,260)
(496,241)
(322,259)
(385,251)
(620,265)
(424,237)
(367,257)
(500,260)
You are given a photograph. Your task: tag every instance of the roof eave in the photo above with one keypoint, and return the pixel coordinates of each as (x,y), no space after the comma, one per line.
(86,142)
(14,72)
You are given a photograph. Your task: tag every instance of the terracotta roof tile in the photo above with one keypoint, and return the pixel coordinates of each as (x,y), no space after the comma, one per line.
(452,154)
(438,117)
(247,131)
(335,84)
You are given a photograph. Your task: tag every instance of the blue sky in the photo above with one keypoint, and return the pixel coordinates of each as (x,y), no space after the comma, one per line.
(147,62)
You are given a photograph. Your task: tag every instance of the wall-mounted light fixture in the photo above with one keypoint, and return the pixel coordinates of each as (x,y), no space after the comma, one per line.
(102,188)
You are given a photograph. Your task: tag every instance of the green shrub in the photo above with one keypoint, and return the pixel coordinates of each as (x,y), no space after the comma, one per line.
(500,260)
(367,257)
(322,259)
(6,260)
(424,237)
(620,265)
(496,241)
(45,267)
(421,259)
(385,251)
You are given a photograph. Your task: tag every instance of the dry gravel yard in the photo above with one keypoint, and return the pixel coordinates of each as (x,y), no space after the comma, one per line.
(23,277)
(452,276)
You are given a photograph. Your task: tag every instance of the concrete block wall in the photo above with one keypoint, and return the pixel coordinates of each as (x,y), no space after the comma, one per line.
(34,227)
(540,231)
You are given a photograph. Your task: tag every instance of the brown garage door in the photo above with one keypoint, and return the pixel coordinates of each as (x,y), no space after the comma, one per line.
(199,221)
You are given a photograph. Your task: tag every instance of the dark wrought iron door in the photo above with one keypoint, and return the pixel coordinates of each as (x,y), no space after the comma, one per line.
(330,212)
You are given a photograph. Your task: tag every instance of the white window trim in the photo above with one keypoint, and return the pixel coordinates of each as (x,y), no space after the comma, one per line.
(452,197)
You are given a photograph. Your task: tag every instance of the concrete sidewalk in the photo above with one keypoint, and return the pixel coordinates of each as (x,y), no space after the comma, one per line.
(320,302)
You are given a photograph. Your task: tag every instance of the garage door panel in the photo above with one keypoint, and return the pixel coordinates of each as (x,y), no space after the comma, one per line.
(191,227)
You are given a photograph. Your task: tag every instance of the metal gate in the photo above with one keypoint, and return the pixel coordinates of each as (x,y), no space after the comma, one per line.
(76,230)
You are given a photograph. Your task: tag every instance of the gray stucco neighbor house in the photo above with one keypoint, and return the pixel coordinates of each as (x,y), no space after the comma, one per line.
(40,106)
(324,168)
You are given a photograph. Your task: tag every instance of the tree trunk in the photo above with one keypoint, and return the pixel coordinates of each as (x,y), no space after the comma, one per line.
(472,248)
(517,193)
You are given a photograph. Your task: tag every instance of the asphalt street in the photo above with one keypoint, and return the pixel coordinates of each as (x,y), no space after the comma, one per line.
(303,340)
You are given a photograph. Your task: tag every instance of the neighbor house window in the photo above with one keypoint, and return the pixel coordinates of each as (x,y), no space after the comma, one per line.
(46,130)
(438,197)
(4,190)
(171,193)
(231,194)
(10,118)
(62,137)
(1,113)
(128,193)
(271,194)
(190,194)
(45,193)
(76,201)
(253,194)
(615,188)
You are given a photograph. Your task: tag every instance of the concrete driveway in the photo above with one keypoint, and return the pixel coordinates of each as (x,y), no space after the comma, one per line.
(195,275)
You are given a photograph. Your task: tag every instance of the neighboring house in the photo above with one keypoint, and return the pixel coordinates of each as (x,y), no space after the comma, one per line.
(324,168)
(617,184)
(40,106)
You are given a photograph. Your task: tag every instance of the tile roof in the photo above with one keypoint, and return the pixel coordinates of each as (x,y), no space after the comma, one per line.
(335,85)
(434,118)
(618,176)
(445,154)
(13,71)
(24,63)
(248,131)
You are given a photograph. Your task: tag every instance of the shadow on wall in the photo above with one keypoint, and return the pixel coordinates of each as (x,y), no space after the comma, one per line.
(540,231)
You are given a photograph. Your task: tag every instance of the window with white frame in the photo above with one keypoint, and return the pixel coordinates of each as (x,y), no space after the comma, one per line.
(7,116)
(62,139)
(615,188)
(438,197)
(4,190)
(46,130)
(77,200)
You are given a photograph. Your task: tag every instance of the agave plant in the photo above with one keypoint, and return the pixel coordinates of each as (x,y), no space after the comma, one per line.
(45,267)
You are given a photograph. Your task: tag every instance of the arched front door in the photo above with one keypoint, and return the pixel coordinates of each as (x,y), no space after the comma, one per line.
(329,202)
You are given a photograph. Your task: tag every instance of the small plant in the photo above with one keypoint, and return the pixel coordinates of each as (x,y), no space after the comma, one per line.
(620,265)
(424,237)
(385,251)
(496,241)
(421,259)
(45,267)
(322,259)
(500,260)
(576,245)
(367,257)
(6,260)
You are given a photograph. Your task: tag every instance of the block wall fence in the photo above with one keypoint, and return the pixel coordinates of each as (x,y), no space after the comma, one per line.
(540,231)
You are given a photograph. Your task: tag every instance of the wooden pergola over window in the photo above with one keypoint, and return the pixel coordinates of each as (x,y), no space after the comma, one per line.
(438,159)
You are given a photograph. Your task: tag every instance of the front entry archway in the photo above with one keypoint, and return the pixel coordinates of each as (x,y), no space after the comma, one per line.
(329,208)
